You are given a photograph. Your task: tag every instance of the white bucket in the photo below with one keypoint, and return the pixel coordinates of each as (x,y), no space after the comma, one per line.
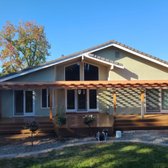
(118,134)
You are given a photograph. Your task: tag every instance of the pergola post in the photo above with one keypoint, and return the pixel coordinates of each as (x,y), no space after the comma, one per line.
(51,104)
(142,103)
(115,102)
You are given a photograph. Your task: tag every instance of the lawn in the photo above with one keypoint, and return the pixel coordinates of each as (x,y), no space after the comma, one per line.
(103,155)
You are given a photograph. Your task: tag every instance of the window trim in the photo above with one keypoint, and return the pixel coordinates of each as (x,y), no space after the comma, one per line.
(98,67)
(83,75)
(76,102)
(161,110)
(47,107)
(70,65)
(24,103)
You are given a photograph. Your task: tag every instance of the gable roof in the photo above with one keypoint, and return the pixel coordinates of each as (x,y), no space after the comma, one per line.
(88,52)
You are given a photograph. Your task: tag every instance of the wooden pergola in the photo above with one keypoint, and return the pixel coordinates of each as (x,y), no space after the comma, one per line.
(139,84)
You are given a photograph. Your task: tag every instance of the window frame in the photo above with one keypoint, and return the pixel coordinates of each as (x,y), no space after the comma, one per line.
(163,110)
(160,104)
(83,71)
(24,103)
(71,65)
(76,102)
(98,68)
(47,98)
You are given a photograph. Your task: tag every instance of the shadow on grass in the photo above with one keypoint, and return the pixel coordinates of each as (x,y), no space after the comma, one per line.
(116,155)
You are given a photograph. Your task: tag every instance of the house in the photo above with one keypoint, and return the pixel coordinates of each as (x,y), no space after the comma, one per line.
(110,78)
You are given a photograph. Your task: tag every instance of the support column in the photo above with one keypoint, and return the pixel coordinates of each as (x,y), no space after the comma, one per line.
(51,104)
(142,103)
(115,102)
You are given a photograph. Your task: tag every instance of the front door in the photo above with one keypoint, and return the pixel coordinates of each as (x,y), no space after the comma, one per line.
(24,102)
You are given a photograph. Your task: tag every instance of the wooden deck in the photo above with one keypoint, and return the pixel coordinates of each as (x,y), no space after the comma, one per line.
(134,122)
(76,127)
(18,125)
(75,124)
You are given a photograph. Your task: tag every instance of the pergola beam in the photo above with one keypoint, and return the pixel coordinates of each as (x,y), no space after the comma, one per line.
(86,84)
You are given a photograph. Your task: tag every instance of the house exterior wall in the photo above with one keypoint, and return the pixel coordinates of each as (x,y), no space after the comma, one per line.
(7,103)
(128,100)
(135,67)
(44,75)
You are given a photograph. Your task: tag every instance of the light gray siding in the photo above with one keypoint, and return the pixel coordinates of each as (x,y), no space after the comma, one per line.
(44,75)
(7,103)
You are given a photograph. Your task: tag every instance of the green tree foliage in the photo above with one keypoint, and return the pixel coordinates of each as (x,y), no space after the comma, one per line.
(22,46)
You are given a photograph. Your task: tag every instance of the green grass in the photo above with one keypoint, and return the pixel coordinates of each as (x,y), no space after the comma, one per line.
(103,155)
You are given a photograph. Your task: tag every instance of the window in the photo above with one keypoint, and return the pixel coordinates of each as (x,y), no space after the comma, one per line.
(23,102)
(29,101)
(81,100)
(165,99)
(152,100)
(90,72)
(45,98)
(72,72)
(19,102)
(70,99)
(92,99)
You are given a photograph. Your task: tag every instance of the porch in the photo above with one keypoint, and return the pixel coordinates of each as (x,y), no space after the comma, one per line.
(135,122)
(138,119)
(17,125)
(76,127)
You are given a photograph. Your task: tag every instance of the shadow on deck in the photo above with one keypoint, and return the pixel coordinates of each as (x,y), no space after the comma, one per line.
(134,122)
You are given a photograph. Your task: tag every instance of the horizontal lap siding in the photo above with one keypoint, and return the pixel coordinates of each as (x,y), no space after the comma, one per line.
(7,103)
(128,101)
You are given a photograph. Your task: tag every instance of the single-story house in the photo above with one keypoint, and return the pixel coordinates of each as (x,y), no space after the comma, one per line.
(109,78)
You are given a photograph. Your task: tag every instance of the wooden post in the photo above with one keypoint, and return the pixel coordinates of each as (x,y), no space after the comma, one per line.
(114,102)
(142,103)
(51,101)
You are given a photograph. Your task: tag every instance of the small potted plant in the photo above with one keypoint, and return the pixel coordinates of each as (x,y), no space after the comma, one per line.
(33,127)
(89,120)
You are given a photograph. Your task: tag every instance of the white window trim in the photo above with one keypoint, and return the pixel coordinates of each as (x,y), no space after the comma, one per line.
(162,110)
(46,99)
(70,110)
(80,77)
(24,112)
(76,99)
(160,104)
(70,65)
(98,66)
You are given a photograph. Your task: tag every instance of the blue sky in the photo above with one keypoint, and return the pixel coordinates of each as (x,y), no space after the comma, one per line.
(73,25)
